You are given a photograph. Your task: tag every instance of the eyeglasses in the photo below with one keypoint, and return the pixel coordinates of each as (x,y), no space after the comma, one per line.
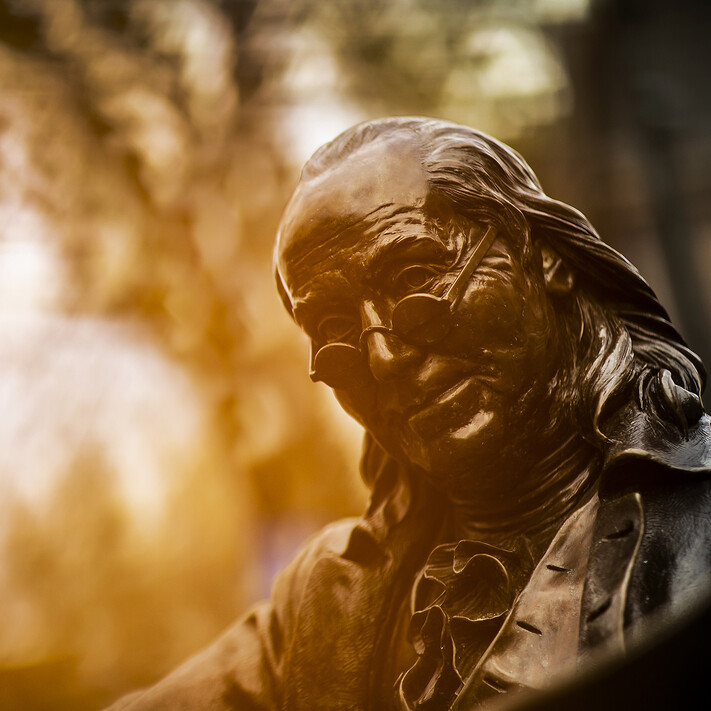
(419,319)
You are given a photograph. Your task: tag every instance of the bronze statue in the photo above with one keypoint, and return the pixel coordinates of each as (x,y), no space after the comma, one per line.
(535,443)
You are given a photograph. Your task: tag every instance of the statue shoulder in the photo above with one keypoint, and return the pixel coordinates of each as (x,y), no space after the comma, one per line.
(331,541)
(244,668)
(661,435)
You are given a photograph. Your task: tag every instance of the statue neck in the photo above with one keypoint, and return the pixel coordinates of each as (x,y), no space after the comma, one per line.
(550,489)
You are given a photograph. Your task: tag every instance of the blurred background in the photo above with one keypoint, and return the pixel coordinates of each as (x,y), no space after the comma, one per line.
(162,450)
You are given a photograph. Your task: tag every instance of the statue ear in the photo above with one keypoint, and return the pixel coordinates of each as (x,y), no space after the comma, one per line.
(559,280)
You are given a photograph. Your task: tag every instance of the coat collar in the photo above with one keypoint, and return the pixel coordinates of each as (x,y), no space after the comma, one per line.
(660,445)
(663,431)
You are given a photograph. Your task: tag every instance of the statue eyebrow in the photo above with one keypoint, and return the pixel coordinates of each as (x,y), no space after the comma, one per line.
(305,308)
(396,246)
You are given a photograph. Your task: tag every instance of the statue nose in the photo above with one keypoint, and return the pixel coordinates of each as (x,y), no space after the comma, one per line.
(389,357)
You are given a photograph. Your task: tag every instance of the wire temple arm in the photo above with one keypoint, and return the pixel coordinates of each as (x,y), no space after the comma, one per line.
(455,291)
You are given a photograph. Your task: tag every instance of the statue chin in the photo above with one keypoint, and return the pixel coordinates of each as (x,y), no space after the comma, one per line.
(460,455)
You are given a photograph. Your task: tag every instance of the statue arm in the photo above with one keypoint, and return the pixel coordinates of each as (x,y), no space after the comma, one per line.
(243,669)
(238,671)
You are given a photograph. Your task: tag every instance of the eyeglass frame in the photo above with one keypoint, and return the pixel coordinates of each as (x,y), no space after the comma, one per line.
(451,298)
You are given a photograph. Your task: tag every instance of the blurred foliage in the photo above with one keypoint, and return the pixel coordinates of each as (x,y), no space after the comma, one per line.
(483,59)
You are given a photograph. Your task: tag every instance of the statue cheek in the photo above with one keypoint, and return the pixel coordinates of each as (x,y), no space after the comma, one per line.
(489,319)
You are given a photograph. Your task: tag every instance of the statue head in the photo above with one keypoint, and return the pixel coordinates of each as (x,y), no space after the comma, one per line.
(459,313)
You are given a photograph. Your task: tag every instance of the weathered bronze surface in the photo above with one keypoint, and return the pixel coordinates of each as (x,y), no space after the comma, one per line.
(536,447)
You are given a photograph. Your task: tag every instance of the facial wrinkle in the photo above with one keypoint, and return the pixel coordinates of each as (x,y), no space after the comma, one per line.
(296,257)
(395,246)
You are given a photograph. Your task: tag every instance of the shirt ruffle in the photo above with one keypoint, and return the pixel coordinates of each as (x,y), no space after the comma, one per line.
(460,601)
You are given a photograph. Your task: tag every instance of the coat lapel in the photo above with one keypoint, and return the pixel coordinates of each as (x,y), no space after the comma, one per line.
(617,535)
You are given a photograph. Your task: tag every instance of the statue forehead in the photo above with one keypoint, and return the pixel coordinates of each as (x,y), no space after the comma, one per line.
(376,181)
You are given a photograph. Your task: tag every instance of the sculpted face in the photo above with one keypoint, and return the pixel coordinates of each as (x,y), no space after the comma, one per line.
(359,238)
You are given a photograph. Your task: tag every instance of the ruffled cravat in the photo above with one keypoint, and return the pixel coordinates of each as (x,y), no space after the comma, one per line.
(460,600)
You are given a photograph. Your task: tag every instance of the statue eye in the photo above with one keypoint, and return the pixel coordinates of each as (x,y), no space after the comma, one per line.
(336,328)
(414,278)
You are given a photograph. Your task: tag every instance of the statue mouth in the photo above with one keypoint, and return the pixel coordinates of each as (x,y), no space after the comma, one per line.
(448,409)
